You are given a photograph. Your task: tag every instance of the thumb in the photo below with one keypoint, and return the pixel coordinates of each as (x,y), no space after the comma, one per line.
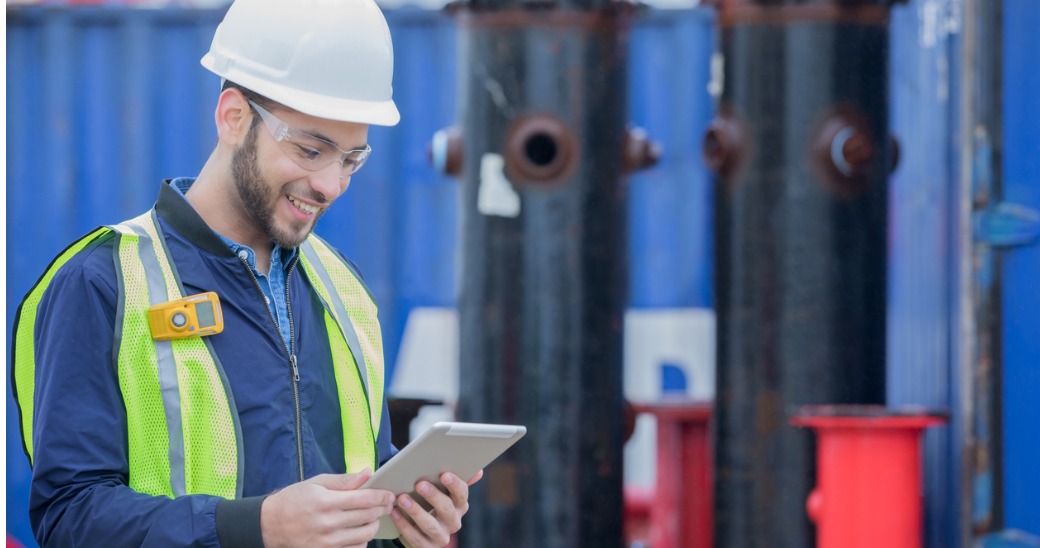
(343,482)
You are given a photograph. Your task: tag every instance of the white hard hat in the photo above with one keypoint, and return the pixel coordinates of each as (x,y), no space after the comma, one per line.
(331,59)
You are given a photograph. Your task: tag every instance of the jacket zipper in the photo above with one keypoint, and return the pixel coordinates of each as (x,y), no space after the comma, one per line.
(290,350)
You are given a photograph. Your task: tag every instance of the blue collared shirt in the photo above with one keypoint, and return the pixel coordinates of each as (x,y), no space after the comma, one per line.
(273,283)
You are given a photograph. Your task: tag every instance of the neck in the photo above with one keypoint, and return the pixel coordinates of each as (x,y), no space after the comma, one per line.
(211,195)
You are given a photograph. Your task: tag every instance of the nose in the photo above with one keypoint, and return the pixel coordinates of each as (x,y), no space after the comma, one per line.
(327,181)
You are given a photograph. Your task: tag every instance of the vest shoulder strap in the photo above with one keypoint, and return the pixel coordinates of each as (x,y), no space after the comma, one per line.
(351,313)
(183,429)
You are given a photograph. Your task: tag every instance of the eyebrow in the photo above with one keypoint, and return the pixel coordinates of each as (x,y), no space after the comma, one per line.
(321,136)
(317,134)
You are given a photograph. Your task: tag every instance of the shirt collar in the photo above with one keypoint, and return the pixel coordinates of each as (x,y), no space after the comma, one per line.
(172,200)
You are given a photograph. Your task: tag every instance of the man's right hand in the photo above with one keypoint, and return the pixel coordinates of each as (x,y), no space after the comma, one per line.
(326,510)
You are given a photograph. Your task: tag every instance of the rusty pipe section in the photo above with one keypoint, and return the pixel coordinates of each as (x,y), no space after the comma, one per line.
(724,146)
(446,151)
(541,150)
(541,153)
(801,154)
(641,152)
(841,151)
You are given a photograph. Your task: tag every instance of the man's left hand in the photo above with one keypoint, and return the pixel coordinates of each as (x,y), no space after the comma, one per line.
(421,529)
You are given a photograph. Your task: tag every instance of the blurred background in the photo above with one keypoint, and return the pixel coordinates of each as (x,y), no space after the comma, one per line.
(105,99)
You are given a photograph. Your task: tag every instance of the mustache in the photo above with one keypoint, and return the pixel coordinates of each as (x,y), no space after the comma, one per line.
(308,193)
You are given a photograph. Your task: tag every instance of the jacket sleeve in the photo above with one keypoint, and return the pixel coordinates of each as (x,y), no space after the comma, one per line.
(79,494)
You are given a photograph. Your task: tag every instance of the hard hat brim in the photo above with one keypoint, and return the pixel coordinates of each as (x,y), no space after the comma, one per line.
(379,113)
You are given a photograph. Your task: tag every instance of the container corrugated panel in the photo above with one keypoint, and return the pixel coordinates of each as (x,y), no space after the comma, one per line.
(923,200)
(104,102)
(1021,169)
(670,204)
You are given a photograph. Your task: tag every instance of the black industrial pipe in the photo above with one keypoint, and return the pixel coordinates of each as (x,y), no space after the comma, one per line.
(542,152)
(802,155)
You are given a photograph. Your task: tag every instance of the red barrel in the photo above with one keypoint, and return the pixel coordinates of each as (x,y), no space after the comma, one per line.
(681,514)
(638,502)
(868,475)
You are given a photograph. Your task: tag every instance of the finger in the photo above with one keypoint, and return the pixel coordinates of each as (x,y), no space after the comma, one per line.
(358,535)
(361,499)
(457,489)
(362,516)
(411,535)
(445,510)
(343,482)
(428,526)
(476,477)
(356,480)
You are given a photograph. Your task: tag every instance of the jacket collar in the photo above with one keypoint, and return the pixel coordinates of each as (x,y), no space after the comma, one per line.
(176,211)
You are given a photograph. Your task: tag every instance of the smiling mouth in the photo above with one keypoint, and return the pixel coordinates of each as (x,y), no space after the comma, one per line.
(308,209)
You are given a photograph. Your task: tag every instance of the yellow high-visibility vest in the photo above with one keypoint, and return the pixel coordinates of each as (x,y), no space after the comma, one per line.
(183,431)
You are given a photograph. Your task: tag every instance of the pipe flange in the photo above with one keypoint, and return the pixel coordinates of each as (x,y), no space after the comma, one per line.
(446,151)
(724,146)
(540,150)
(640,152)
(843,152)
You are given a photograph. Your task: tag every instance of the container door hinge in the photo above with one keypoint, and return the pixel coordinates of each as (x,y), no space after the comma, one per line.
(1007,225)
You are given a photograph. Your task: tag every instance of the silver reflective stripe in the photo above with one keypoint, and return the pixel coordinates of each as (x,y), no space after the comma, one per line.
(167,364)
(345,325)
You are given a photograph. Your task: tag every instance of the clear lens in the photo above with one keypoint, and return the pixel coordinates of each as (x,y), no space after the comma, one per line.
(310,152)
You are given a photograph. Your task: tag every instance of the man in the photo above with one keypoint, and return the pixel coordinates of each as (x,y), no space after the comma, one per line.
(255,421)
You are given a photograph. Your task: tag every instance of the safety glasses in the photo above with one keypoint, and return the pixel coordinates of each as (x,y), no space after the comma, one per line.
(310,152)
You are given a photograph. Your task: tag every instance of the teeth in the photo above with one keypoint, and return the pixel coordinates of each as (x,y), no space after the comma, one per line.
(303,207)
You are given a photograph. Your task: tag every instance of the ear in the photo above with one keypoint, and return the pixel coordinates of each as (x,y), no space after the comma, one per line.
(233,116)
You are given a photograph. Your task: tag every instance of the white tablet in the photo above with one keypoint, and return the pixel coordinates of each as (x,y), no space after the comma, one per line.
(462,448)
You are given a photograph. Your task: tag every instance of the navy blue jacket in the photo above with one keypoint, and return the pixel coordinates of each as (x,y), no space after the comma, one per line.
(79,494)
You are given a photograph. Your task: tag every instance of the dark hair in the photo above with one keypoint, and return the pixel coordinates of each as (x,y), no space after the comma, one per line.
(252,96)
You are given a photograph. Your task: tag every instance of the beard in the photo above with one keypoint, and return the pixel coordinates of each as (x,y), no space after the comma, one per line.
(258,198)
